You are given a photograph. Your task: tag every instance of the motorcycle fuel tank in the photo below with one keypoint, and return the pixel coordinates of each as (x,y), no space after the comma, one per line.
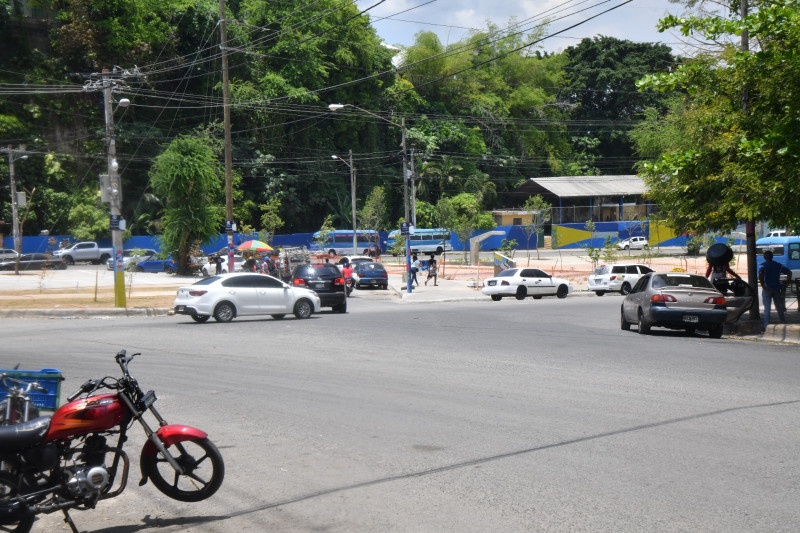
(86,415)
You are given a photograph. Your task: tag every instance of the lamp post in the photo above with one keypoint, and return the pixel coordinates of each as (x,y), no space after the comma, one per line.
(115,186)
(352,194)
(15,201)
(402,126)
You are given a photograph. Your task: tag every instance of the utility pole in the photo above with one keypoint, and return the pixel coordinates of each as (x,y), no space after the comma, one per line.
(405,171)
(353,200)
(226,117)
(413,192)
(15,202)
(115,185)
(750,225)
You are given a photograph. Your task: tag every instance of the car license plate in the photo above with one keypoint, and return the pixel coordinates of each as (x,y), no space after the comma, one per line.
(693,319)
(180,308)
(492,283)
(318,285)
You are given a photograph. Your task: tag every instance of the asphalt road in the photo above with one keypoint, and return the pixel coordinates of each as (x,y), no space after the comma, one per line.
(473,416)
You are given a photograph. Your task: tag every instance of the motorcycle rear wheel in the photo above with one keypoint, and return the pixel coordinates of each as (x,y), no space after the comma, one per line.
(203,466)
(8,490)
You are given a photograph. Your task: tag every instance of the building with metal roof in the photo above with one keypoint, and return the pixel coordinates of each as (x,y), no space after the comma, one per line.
(582,198)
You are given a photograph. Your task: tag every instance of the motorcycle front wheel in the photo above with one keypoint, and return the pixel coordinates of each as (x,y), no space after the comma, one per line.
(202,465)
(8,491)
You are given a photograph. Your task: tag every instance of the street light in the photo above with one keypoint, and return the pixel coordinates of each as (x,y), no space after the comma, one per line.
(402,126)
(352,194)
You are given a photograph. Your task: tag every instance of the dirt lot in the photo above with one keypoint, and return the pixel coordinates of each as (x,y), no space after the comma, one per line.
(84,299)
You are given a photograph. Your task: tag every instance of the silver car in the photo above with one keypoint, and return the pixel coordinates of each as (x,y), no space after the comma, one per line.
(674,300)
(230,295)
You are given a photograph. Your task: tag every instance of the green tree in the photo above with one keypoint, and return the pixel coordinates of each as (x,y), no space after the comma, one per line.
(373,215)
(724,162)
(325,233)
(540,211)
(602,73)
(462,215)
(88,218)
(187,177)
(270,219)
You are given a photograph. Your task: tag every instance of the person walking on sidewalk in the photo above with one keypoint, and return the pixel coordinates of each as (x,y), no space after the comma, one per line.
(769,276)
(432,270)
(414,269)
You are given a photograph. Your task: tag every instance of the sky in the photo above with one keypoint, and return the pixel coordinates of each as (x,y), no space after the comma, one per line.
(452,19)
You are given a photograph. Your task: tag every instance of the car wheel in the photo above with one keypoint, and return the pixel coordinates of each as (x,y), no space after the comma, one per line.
(103,259)
(224,312)
(200,318)
(522,292)
(537,297)
(340,308)
(168,269)
(715,332)
(278,316)
(331,252)
(600,293)
(625,289)
(69,260)
(562,291)
(626,247)
(496,297)
(139,269)
(303,309)
(644,325)
(623,322)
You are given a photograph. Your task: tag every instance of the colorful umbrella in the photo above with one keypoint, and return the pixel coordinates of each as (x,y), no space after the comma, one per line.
(254,246)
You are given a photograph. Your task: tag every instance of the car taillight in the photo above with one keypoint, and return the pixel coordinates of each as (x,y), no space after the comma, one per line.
(338,281)
(663,298)
(504,282)
(716,300)
(197,293)
(299,282)
(384,275)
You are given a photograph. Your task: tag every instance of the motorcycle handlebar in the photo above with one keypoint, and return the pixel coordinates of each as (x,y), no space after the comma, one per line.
(86,387)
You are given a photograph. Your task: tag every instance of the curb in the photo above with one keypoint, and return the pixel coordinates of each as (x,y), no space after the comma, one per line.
(86,312)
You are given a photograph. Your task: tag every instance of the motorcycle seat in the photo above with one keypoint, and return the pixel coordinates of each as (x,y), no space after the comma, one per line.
(20,436)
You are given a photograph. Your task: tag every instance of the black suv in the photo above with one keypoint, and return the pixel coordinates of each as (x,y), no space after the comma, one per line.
(326,280)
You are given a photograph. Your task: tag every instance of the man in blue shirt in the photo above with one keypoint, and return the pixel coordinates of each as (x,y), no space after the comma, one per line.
(769,276)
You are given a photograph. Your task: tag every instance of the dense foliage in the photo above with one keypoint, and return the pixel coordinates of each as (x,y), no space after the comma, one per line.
(730,150)
(481,115)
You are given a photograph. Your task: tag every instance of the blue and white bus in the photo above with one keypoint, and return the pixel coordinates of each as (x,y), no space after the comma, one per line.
(340,242)
(424,241)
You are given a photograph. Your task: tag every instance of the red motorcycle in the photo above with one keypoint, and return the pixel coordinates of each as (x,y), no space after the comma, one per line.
(65,462)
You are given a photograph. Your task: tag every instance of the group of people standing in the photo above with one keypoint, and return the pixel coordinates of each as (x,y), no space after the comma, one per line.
(433,270)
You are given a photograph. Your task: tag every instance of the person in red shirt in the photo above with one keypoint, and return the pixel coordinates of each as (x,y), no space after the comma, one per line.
(347,273)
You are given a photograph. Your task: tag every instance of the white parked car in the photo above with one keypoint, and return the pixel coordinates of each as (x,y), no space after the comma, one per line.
(634,243)
(523,282)
(616,278)
(243,294)
(7,253)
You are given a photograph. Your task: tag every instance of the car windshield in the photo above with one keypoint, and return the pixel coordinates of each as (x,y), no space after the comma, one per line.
(372,267)
(602,269)
(509,272)
(321,271)
(681,280)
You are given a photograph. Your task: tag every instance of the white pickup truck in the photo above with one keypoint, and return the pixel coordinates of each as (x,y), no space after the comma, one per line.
(84,251)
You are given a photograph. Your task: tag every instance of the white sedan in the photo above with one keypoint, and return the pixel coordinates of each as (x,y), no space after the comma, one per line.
(230,295)
(523,282)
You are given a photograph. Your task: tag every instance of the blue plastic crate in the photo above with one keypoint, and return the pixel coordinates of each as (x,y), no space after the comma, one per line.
(49,378)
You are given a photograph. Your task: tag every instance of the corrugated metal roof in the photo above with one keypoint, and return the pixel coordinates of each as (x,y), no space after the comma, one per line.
(575,186)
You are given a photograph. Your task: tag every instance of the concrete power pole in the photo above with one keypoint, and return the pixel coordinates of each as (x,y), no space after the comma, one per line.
(15,202)
(226,112)
(115,198)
